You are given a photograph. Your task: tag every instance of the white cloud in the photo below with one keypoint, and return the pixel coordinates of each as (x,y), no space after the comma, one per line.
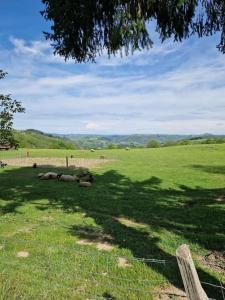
(139,58)
(35,47)
(39,50)
(92,126)
(156,92)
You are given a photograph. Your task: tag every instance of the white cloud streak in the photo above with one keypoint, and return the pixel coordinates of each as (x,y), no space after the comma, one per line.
(152,92)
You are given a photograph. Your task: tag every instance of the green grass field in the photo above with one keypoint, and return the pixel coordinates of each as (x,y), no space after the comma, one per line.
(144,203)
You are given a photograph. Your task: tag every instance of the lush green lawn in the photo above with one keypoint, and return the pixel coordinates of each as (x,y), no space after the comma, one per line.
(145,203)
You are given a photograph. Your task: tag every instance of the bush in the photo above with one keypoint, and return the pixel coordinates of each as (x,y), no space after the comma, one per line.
(153,144)
(112,146)
(184,142)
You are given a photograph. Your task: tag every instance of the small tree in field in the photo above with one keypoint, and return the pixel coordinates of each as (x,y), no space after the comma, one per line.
(8,107)
(153,144)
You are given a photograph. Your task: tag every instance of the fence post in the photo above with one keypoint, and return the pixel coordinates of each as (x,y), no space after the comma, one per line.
(67,162)
(192,284)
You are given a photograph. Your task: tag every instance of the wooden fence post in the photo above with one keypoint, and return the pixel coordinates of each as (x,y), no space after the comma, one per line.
(67,162)
(192,284)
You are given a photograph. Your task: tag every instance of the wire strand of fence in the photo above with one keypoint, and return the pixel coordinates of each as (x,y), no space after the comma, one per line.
(138,280)
(104,275)
(222,290)
(152,293)
(95,253)
(120,278)
(213,285)
(128,288)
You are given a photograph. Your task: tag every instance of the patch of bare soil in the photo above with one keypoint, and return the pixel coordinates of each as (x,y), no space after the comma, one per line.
(99,245)
(123,262)
(215,260)
(85,242)
(94,236)
(22,254)
(104,246)
(92,233)
(25,230)
(1,247)
(47,218)
(171,292)
(129,223)
(47,162)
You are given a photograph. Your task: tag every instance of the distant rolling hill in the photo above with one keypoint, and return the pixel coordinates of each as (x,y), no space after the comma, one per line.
(32,138)
(133,140)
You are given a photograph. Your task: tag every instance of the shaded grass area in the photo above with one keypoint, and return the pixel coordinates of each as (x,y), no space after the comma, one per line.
(145,205)
(211,169)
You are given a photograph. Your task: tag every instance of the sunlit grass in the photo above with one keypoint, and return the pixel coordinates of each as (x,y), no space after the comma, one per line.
(144,203)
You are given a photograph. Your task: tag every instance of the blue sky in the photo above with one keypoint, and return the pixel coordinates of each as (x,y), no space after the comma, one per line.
(173,88)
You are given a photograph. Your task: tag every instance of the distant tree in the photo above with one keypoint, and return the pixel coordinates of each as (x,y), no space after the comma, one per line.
(169,143)
(8,107)
(120,146)
(84,29)
(112,146)
(184,142)
(153,144)
(216,140)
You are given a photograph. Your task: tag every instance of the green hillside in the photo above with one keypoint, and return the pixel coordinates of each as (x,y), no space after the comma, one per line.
(36,139)
(87,141)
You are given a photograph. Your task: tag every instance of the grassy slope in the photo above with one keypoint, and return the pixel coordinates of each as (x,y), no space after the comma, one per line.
(168,194)
(36,140)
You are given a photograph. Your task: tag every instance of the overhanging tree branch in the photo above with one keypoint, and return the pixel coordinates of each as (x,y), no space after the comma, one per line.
(84,29)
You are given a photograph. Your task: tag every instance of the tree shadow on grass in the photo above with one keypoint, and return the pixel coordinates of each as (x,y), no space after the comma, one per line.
(210,169)
(132,214)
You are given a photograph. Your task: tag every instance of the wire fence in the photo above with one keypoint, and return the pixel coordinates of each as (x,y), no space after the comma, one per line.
(50,159)
(89,274)
(103,276)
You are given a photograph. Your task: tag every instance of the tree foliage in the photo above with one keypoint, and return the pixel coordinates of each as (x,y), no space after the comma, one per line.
(8,107)
(153,144)
(84,29)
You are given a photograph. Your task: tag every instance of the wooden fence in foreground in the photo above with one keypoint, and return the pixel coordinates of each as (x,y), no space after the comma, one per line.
(192,284)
